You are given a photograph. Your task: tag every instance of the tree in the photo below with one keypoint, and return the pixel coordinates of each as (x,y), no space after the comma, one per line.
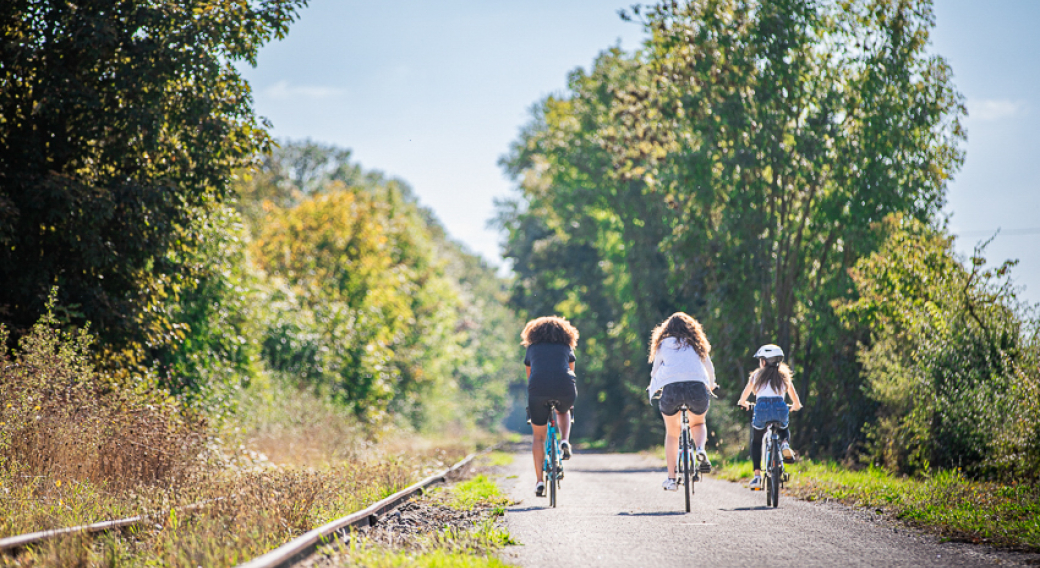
(122,123)
(368,299)
(733,169)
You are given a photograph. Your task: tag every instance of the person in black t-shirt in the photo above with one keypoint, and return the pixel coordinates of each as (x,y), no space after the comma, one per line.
(550,343)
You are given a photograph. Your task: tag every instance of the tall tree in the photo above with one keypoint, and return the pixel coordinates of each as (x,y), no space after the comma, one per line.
(121,122)
(734,169)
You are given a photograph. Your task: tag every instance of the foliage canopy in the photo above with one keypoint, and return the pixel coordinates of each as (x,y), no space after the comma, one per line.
(734,169)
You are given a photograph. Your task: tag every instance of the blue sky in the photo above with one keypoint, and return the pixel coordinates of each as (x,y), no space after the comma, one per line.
(435,92)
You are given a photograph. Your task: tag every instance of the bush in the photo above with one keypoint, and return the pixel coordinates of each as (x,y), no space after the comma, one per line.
(60,419)
(952,358)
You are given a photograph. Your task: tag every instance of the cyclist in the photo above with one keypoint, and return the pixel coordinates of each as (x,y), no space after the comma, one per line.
(769,383)
(683,371)
(550,343)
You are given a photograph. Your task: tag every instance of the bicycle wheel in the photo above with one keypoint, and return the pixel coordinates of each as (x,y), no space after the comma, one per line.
(768,460)
(775,473)
(684,462)
(554,465)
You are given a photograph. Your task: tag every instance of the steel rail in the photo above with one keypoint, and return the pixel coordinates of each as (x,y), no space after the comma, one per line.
(13,543)
(304,545)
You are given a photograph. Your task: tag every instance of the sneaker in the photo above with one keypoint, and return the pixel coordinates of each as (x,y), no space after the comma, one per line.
(670,485)
(539,489)
(756,483)
(787,452)
(702,457)
(565,447)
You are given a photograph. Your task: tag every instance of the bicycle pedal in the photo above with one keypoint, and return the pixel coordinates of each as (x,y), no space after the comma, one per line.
(787,477)
(705,468)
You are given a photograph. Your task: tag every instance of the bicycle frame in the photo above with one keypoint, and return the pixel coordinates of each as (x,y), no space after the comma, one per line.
(773,474)
(552,463)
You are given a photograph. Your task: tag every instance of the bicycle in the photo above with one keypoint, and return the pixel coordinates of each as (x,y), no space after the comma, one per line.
(773,473)
(688,466)
(688,459)
(552,465)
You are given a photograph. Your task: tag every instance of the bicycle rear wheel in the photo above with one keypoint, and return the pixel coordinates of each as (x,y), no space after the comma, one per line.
(766,481)
(684,462)
(776,472)
(554,469)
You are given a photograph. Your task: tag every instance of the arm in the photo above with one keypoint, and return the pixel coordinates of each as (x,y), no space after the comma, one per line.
(571,364)
(743,402)
(710,367)
(794,396)
(529,371)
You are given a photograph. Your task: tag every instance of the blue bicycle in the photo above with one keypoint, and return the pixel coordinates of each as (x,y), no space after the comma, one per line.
(552,466)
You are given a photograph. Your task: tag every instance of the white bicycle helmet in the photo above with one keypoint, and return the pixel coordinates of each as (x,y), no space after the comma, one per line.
(770,351)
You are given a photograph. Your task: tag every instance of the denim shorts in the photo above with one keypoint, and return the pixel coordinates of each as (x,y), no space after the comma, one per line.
(770,409)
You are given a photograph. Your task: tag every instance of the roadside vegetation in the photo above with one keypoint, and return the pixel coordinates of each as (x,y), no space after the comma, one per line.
(948,503)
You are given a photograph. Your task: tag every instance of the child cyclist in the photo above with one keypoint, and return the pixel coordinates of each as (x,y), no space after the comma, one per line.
(769,383)
(683,372)
(550,343)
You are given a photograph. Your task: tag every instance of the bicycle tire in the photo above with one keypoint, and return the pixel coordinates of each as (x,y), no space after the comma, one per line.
(776,472)
(553,473)
(684,457)
(766,474)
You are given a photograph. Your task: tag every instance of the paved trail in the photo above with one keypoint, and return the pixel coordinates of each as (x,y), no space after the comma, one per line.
(613,512)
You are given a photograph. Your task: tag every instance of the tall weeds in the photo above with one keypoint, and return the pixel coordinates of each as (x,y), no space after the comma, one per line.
(61,420)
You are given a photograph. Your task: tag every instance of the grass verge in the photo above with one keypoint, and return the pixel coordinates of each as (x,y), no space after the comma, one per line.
(948,503)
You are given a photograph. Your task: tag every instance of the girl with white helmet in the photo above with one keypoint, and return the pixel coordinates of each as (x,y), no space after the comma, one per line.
(769,383)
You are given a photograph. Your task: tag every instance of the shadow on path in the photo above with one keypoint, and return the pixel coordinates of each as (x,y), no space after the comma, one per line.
(528,509)
(740,509)
(652,514)
(631,470)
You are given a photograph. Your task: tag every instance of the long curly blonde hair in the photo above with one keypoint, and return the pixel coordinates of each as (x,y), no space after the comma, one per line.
(686,331)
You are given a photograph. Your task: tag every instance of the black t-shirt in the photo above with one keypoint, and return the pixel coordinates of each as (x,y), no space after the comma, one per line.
(551,374)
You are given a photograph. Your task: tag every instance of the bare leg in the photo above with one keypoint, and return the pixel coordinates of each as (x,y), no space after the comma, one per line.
(673,426)
(563,420)
(538,448)
(699,429)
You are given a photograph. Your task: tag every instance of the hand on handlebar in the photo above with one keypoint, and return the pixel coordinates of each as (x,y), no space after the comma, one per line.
(796,407)
(745,405)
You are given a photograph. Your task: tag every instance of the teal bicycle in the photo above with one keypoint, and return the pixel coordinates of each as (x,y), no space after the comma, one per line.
(552,466)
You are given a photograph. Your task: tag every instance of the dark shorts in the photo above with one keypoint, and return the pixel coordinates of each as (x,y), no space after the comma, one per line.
(538,406)
(692,393)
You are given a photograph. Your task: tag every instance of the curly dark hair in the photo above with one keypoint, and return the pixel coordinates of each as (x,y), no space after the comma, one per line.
(549,329)
(686,331)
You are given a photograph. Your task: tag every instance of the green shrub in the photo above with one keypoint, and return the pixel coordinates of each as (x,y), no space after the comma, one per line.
(952,358)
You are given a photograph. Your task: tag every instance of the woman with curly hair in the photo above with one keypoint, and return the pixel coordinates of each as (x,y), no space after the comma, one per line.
(684,373)
(550,343)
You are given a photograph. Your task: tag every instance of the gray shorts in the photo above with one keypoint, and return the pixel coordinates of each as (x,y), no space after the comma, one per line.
(692,393)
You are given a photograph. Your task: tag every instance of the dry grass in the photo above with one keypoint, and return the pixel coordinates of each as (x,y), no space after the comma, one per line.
(75,449)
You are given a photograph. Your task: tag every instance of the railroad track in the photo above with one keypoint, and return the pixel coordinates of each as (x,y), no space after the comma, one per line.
(286,555)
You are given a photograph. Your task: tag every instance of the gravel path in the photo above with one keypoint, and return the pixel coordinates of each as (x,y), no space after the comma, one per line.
(613,512)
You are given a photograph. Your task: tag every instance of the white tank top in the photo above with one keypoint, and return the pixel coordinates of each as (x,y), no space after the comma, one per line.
(767,391)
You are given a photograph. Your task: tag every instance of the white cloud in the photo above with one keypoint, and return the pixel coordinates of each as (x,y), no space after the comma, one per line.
(994,109)
(282,90)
